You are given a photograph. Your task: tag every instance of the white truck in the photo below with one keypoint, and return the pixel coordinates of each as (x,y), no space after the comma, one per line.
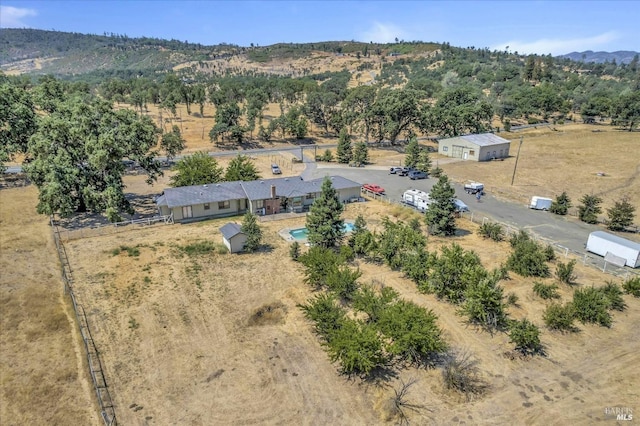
(612,246)
(540,203)
(416,198)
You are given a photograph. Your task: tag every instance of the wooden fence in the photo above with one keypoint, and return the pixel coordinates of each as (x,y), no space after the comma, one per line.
(96,370)
(112,228)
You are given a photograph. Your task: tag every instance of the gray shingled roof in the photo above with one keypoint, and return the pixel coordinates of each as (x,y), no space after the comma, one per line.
(484,139)
(200,194)
(230,230)
(288,187)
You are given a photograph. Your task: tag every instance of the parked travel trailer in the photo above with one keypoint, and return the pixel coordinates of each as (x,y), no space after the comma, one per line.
(605,244)
(416,198)
(540,203)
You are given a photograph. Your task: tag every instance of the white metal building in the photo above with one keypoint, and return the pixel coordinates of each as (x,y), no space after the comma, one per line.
(482,147)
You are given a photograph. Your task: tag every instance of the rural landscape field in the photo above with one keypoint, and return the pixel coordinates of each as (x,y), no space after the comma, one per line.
(188,333)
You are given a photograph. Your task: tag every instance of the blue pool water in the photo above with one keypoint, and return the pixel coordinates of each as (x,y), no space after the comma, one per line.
(302,233)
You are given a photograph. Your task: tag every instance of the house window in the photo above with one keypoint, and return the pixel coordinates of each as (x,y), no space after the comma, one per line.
(259,204)
(310,196)
(472,153)
(224,205)
(207,206)
(445,148)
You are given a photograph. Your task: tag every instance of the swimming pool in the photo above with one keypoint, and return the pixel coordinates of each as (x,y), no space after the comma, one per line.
(302,233)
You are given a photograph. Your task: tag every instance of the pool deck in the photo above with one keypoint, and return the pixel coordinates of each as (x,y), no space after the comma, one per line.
(285,235)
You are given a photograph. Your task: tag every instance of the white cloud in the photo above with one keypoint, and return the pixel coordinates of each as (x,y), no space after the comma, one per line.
(559,46)
(383,33)
(12,17)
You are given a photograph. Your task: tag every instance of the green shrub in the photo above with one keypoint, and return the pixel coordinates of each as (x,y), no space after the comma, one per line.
(483,303)
(632,286)
(546,291)
(528,258)
(591,306)
(613,294)
(549,253)
(559,317)
(564,272)
(526,336)
(221,249)
(512,299)
(294,251)
(199,248)
(347,254)
(356,346)
(492,230)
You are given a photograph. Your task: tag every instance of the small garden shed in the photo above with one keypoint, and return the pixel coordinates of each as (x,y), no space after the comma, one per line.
(233,237)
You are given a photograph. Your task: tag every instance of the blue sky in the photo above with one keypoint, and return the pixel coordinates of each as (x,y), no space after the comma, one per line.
(541,27)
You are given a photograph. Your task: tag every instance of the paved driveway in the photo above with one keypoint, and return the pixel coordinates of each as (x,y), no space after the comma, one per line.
(564,231)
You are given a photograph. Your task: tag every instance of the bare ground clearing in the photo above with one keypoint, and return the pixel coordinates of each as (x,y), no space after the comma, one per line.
(178,339)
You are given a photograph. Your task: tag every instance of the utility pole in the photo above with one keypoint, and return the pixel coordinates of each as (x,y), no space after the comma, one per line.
(516,165)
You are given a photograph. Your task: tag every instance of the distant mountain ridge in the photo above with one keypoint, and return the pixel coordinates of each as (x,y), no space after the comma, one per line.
(620,56)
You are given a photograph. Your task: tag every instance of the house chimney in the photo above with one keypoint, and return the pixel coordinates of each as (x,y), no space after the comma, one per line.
(273,191)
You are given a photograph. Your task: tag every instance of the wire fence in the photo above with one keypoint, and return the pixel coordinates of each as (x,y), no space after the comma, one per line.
(584,257)
(112,228)
(96,370)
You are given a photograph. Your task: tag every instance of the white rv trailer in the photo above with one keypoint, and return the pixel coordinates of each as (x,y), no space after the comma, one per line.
(603,243)
(540,203)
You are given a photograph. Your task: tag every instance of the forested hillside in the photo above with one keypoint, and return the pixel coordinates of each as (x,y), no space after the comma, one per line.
(371,93)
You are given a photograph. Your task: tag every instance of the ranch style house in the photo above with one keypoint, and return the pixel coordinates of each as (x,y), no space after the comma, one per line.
(261,197)
(482,147)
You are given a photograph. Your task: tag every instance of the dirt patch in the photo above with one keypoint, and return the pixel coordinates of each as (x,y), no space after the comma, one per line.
(269,314)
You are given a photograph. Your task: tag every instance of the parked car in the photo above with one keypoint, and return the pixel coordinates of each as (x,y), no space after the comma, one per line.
(376,189)
(416,174)
(394,170)
(405,171)
(275,169)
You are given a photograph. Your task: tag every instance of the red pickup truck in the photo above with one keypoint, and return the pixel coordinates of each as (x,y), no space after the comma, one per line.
(370,187)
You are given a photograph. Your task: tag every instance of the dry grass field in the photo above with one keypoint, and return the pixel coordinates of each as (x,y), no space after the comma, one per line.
(218,339)
(566,159)
(43,373)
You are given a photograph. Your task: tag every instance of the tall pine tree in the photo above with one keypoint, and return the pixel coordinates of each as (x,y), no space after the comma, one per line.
(345,151)
(412,152)
(440,215)
(324,222)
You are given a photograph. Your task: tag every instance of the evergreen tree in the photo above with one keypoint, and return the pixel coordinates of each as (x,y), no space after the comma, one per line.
(361,153)
(253,232)
(440,215)
(241,168)
(326,227)
(424,161)
(621,215)
(345,151)
(412,152)
(196,169)
(590,208)
(561,204)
